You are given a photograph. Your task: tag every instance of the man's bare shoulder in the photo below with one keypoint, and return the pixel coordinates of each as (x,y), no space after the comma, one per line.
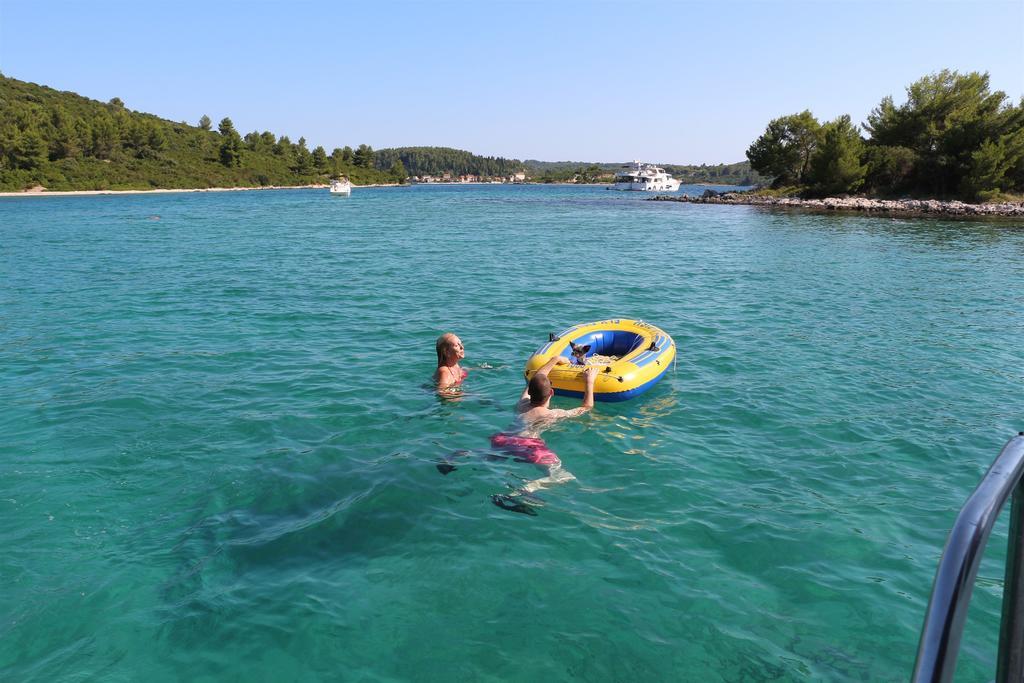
(556,414)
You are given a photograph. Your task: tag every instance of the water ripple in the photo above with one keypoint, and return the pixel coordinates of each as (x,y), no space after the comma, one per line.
(218,453)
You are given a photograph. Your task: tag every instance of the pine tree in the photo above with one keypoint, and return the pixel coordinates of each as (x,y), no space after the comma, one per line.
(231,147)
(363,156)
(992,165)
(303,162)
(835,167)
(104,137)
(786,147)
(320,158)
(398,171)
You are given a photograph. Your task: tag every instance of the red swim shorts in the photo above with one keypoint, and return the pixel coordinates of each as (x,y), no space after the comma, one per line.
(525,449)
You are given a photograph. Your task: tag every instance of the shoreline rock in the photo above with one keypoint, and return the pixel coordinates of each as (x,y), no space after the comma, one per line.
(932,207)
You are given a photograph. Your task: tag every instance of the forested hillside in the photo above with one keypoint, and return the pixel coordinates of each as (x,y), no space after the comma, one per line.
(739,173)
(718,174)
(419,161)
(63,141)
(952,138)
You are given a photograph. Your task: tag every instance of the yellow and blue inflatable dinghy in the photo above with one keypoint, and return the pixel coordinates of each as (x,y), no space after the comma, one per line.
(637,355)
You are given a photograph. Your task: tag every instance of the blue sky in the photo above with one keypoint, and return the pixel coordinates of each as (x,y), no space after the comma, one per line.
(667,81)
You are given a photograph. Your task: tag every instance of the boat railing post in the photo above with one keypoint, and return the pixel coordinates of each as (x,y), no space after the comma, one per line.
(1010,661)
(958,568)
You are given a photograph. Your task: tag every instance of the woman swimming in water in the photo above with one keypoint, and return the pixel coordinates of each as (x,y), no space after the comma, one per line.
(450,351)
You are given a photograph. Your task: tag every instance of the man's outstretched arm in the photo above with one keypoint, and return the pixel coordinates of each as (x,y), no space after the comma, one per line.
(589,377)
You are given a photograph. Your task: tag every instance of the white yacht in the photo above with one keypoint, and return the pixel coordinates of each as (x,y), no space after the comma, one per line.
(644,178)
(341,187)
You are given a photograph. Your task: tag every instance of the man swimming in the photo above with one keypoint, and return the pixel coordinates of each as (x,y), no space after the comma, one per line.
(522,438)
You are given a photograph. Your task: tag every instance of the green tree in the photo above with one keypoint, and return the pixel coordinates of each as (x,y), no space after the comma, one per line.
(205,122)
(319,158)
(945,120)
(226,127)
(303,160)
(398,171)
(134,137)
(231,151)
(786,147)
(590,174)
(346,154)
(156,141)
(231,147)
(993,165)
(65,143)
(835,166)
(889,169)
(29,150)
(83,135)
(363,156)
(283,147)
(104,137)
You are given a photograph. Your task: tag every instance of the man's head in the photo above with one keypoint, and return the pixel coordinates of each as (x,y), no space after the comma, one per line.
(540,390)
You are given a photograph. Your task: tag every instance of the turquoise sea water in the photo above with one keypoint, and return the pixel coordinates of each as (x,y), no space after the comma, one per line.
(217,451)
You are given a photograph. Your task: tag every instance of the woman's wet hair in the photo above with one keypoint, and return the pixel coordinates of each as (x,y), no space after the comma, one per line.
(444,344)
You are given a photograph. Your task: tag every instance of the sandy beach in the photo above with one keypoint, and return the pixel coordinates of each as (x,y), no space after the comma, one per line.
(42,192)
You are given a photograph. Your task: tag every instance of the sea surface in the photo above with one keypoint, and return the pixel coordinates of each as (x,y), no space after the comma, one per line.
(218,444)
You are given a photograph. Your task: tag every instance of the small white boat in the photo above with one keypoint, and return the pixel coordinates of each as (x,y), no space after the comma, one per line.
(641,177)
(341,187)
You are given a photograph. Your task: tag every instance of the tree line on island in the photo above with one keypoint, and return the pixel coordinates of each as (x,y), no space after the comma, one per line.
(952,138)
(739,173)
(63,141)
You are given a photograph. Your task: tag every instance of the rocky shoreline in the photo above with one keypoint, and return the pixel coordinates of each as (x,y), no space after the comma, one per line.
(912,207)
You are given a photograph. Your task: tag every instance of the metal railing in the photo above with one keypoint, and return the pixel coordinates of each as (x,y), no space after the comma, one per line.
(958,568)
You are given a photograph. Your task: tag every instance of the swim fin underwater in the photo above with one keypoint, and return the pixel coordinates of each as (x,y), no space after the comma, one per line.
(446,466)
(522,503)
